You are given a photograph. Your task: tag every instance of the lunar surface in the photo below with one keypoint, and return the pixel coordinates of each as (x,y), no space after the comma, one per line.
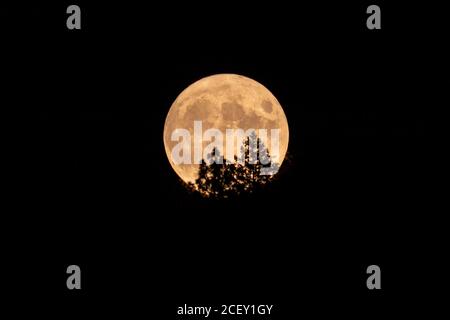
(224,101)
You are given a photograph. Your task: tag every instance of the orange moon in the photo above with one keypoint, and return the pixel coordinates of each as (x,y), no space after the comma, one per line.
(224,101)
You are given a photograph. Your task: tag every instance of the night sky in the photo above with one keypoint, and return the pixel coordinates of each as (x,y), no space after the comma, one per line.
(101,192)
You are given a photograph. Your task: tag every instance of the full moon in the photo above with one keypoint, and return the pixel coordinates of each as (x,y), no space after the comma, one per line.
(224,101)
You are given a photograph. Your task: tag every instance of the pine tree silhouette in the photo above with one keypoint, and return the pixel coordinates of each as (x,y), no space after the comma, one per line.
(211,175)
(219,179)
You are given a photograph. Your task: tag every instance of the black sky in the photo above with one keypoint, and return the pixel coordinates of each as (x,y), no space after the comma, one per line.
(352,193)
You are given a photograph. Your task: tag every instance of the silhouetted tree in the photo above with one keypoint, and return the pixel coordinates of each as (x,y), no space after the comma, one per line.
(211,175)
(218,179)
